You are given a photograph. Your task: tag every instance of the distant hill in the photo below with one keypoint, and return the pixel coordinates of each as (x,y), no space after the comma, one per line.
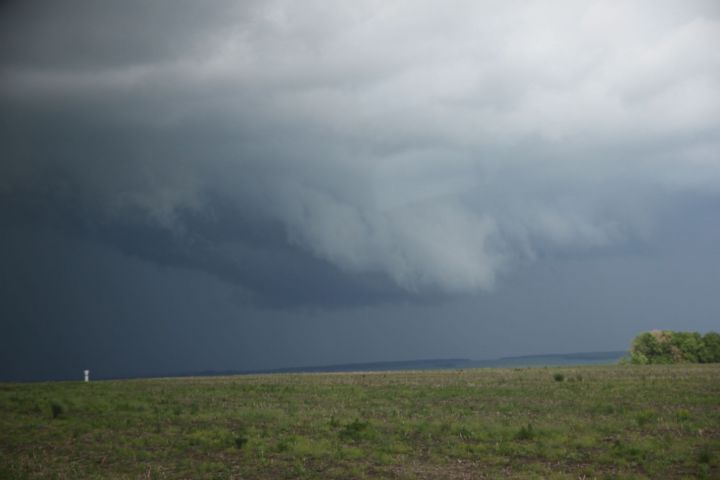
(579,358)
(423,364)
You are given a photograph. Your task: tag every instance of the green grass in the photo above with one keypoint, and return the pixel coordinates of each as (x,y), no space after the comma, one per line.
(599,422)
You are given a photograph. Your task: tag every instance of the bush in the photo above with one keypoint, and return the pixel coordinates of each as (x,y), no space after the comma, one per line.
(525,433)
(559,377)
(56,410)
(355,430)
(240,441)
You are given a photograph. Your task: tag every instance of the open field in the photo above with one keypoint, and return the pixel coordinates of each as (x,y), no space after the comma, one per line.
(565,422)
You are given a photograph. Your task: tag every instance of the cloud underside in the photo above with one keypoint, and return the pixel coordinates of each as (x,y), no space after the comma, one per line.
(392,149)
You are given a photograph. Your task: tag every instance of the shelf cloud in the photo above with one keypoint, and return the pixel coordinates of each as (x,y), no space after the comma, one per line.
(393,149)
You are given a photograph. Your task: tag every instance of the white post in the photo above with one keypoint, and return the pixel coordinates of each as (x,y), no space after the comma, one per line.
(87,375)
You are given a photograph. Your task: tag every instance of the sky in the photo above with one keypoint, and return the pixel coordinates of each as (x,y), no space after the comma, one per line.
(224,185)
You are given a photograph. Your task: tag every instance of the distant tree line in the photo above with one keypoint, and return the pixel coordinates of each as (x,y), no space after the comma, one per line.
(667,346)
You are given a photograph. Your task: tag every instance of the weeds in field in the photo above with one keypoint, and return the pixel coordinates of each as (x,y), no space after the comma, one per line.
(704,455)
(645,417)
(682,415)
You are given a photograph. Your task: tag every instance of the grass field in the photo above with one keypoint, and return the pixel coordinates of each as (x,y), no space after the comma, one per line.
(581,422)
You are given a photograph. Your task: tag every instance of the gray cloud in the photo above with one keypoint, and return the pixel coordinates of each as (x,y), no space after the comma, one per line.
(436,146)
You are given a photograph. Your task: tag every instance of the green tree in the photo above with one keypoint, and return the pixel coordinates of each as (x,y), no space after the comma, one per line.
(711,340)
(666,346)
(651,347)
(686,346)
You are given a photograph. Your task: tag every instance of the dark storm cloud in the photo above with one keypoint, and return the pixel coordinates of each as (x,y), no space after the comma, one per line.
(81,35)
(219,241)
(353,152)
